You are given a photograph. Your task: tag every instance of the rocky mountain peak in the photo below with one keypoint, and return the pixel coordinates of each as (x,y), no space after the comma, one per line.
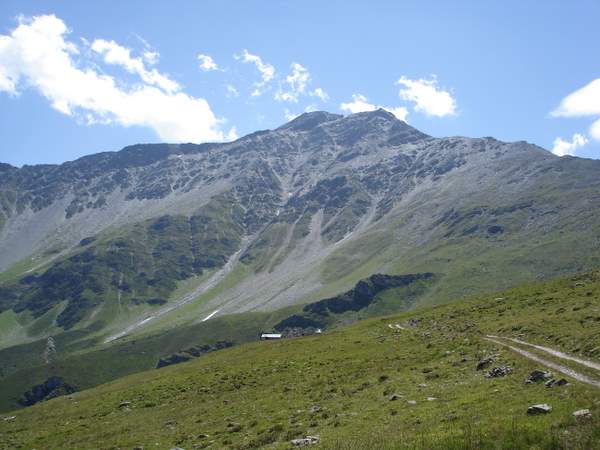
(374,126)
(309,120)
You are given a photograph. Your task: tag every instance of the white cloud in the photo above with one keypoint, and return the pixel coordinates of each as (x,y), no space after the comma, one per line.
(360,103)
(427,97)
(116,54)
(151,57)
(400,112)
(36,54)
(595,130)
(289,115)
(562,147)
(267,71)
(581,103)
(295,84)
(231,91)
(320,93)
(206,63)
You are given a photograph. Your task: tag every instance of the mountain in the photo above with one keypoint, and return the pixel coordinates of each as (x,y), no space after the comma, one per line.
(428,379)
(161,236)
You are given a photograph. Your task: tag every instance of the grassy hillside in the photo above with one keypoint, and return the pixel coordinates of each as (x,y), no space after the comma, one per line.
(85,363)
(404,381)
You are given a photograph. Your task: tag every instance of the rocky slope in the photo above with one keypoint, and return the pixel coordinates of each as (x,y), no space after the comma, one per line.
(159,235)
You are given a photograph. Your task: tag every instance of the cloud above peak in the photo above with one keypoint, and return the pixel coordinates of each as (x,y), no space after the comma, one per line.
(267,71)
(360,103)
(584,102)
(118,55)
(37,54)
(427,97)
(294,84)
(563,148)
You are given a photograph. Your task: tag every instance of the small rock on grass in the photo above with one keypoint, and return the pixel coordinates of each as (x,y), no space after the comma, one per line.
(537,375)
(582,414)
(484,362)
(542,408)
(234,427)
(308,440)
(500,371)
(552,382)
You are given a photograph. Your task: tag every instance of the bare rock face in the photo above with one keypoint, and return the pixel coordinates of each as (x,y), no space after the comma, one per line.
(51,388)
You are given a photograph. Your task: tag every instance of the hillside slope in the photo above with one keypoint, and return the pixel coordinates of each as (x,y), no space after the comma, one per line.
(161,236)
(84,361)
(404,381)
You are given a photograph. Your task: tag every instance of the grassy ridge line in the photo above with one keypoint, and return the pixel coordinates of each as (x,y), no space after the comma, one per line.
(338,386)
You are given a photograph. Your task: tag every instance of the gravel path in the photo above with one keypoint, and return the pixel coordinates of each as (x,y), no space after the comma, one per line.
(551,364)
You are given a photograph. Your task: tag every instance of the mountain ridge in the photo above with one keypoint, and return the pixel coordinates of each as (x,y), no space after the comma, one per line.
(283,217)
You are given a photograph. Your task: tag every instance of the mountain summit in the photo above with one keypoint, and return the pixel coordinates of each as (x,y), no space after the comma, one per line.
(162,234)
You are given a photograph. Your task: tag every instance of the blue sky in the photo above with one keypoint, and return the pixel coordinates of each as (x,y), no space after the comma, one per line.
(82,77)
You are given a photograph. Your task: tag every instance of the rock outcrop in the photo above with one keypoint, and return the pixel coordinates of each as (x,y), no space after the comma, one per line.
(51,388)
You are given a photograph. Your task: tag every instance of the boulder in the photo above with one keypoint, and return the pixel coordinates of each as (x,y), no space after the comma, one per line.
(542,408)
(394,397)
(537,375)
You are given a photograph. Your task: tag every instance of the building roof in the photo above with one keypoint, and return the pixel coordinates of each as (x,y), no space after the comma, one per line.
(271,335)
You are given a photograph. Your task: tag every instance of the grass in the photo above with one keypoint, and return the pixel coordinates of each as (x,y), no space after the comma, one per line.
(85,363)
(338,385)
